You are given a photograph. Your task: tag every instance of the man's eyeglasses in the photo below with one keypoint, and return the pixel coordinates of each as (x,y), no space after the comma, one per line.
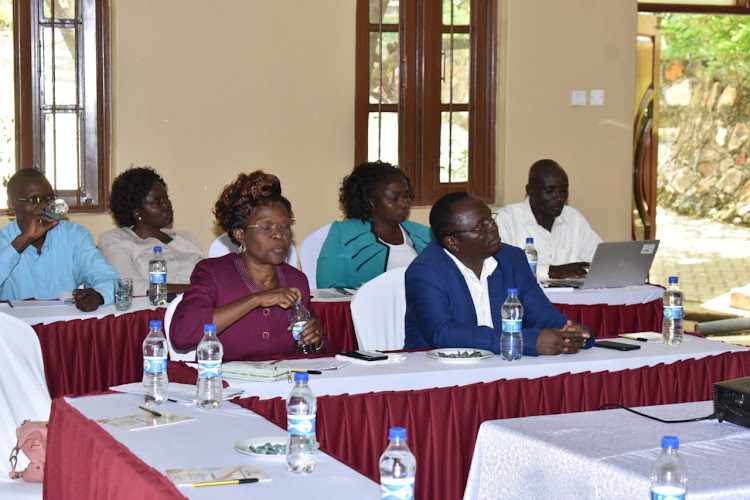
(34,201)
(487,226)
(266,227)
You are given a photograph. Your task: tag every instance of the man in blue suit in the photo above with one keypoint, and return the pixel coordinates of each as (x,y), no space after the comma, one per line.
(457,285)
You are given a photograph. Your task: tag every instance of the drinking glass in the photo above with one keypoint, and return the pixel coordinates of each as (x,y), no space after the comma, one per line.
(123,293)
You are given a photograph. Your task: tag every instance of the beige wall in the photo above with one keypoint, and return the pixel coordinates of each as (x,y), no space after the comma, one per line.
(202,91)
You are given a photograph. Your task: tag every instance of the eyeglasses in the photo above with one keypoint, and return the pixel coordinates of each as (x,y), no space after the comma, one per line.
(34,201)
(266,227)
(487,226)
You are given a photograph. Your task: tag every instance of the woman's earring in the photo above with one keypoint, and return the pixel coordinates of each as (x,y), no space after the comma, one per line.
(243,248)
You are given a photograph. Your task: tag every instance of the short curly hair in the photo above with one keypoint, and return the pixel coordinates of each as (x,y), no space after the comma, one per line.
(242,197)
(358,187)
(129,190)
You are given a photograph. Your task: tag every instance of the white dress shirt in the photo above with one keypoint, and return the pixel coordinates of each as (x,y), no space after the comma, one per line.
(478,288)
(571,238)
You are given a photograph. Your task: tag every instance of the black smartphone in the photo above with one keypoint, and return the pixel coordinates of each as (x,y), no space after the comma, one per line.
(365,355)
(620,346)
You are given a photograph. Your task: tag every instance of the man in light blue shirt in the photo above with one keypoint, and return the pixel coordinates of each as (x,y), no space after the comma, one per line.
(41,257)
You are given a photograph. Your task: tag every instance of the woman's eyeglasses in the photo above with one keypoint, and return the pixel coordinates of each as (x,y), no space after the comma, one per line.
(266,227)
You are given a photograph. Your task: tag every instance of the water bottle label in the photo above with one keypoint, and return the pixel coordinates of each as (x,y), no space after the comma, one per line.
(209,369)
(297,329)
(300,425)
(512,325)
(532,265)
(672,312)
(667,493)
(154,364)
(157,277)
(397,489)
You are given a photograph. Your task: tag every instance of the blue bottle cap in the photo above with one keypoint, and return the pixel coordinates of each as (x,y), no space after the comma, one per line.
(157,249)
(670,442)
(301,377)
(155,323)
(512,291)
(529,240)
(672,279)
(397,433)
(209,328)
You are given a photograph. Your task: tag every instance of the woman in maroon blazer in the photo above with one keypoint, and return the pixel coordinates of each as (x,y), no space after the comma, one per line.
(248,295)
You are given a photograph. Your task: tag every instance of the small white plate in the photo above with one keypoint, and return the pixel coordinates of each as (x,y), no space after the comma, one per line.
(435,353)
(244,446)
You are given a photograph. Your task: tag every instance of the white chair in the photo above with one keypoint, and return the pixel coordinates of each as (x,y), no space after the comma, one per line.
(173,354)
(309,250)
(378,311)
(223,245)
(23,396)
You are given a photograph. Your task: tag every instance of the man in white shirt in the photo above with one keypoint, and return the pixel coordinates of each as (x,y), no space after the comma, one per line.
(564,240)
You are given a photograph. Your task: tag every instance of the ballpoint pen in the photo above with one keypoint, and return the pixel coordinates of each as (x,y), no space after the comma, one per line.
(152,412)
(228,481)
(311,372)
(639,339)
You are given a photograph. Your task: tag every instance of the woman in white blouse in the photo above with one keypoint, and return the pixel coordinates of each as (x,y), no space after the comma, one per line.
(140,205)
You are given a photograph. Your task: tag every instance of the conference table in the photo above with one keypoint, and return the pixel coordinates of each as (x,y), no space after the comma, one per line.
(606,455)
(86,459)
(86,352)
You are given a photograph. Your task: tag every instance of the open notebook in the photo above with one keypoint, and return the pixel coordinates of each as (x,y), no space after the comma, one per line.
(616,264)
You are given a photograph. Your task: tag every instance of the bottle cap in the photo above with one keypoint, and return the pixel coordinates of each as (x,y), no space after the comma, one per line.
(397,433)
(529,240)
(301,377)
(670,442)
(512,291)
(157,249)
(672,279)
(155,323)
(209,328)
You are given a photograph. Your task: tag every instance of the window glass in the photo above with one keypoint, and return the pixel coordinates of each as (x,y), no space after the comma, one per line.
(456,12)
(61,150)
(64,9)
(59,66)
(388,9)
(455,75)
(7,99)
(383,137)
(454,147)
(384,60)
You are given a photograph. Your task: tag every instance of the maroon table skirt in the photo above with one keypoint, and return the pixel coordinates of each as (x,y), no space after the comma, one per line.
(608,321)
(443,423)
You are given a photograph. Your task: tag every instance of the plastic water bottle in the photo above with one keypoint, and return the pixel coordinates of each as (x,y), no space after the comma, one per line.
(57,210)
(511,340)
(298,318)
(301,445)
(155,350)
(531,254)
(210,351)
(157,278)
(397,468)
(672,329)
(669,474)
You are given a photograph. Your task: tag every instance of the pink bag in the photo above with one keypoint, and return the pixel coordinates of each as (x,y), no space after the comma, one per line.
(32,440)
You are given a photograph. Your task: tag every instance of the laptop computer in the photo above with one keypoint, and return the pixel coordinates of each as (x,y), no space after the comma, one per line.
(616,264)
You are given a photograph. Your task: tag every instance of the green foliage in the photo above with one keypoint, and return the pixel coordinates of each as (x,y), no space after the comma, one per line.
(721,44)
(6,13)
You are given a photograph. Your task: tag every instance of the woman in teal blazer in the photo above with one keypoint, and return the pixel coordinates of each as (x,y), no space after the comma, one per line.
(375,236)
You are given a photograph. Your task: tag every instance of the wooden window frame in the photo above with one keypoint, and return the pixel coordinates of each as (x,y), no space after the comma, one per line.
(93,53)
(419,121)
(740,7)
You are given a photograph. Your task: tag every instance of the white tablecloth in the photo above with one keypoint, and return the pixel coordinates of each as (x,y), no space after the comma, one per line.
(626,295)
(51,314)
(422,372)
(606,455)
(209,441)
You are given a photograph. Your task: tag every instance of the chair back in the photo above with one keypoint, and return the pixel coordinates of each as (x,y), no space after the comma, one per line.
(309,250)
(175,355)
(378,311)
(23,388)
(223,245)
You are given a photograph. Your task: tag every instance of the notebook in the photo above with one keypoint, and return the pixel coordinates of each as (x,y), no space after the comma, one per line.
(616,264)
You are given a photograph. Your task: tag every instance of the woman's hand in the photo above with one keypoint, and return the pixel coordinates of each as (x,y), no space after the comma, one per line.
(283,296)
(313,333)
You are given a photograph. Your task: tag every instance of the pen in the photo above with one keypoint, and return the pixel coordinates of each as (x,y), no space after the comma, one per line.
(639,339)
(152,412)
(230,481)
(311,372)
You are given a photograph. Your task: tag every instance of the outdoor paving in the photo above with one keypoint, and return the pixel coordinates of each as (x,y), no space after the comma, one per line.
(710,258)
